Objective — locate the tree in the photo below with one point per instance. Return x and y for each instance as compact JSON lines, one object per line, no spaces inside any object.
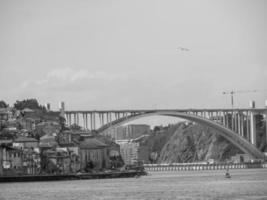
{"x":75,"y":127}
{"x":3,"y":104}
{"x":157,"y":128}
{"x":28,"y":103}
{"x":62,"y":123}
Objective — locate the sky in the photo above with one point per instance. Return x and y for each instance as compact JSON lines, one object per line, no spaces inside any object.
{"x":120,"y":54}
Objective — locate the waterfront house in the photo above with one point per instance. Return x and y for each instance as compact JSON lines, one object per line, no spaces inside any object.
{"x":56,"y":161}
{"x":10,"y":160}
{"x":48,"y":141}
{"x":73,"y":155}
{"x":31,"y":161}
{"x":6,"y":114}
{"x":93,"y":154}
{"x":47,"y":128}
{"x":27,"y":123}
{"x":64,"y":137}
{"x":25,"y":142}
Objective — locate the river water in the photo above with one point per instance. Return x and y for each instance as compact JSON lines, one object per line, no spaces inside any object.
{"x":244,"y":184}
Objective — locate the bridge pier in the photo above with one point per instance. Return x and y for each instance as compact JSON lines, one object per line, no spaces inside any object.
{"x":101,"y":119}
{"x":236,"y":122}
{"x":266,"y":127}
{"x":86,"y":121}
{"x":78,"y":120}
{"x":69,"y":119}
{"x":247,"y":126}
{"x":83,"y":121}
{"x":239,"y":123}
{"x":242,"y":125}
{"x":252,"y":129}
{"x":227,"y":120}
{"x":75,"y":119}
{"x":253,"y":124}
{"x":94,"y":122}
{"x":91,"y":120}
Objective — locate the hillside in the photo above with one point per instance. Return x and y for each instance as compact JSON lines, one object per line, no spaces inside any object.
{"x":189,"y":143}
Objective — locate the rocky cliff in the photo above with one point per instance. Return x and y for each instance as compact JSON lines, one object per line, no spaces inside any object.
{"x":189,"y":143}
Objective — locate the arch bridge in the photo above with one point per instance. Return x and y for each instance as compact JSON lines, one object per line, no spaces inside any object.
{"x":236,"y":125}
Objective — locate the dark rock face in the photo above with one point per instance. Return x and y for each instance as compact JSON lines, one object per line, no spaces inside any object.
{"x":190,"y":143}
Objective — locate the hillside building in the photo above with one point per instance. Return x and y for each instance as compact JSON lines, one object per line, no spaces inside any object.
{"x":133,"y":152}
{"x":11,"y":160}
{"x":128,"y":132}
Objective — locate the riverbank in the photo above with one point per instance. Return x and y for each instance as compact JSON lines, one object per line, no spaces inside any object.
{"x":197,"y":167}
{"x":80,"y":176}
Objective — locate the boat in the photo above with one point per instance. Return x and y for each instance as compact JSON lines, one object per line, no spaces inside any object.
{"x":227,"y":174}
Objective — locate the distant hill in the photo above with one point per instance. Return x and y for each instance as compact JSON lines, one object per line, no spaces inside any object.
{"x":189,"y":143}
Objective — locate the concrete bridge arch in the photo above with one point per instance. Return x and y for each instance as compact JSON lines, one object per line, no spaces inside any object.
{"x":228,"y":134}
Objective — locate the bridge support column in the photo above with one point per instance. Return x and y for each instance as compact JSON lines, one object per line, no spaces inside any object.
{"x":75,"y":119}
{"x":117,"y":116}
{"x":227,"y":120}
{"x":252,"y":124}
{"x":233,"y":121}
{"x":91,"y":121}
{"x":236,"y":124}
{"x":100,"y":119}
{"x":103,"y":118}
{"x":224,"y":118}
{"x":69,"y":119}
{"x":107,"y":117}
{"x":242,"y":124}
{"x":239,"y":123}
{"x":252,"y":129}
{"x":83,"y":121}
{"x":110,"y":117}
{"x":266,"y":126}
{"x":86,"y":121}
{"x":265,"y":114}
{"x":94,"y":122}
{"x":78,"y":120}
{"x":247,"y":124}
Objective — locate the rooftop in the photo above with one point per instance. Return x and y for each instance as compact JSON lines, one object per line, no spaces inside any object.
{"x":92,"y":143}
{"x":25,"y":139}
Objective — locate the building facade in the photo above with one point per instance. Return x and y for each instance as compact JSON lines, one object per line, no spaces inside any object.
{"x":93,"y":154}
{"x":132,"y":152}
{"x":11,"y":160}
{"x":128,"y":132}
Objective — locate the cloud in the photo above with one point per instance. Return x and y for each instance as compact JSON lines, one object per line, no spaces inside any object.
{"x":68,"y":74}
{"x":71,"y":79}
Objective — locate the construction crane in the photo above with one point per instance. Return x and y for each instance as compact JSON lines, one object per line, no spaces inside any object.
{"x":237,"y":91}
